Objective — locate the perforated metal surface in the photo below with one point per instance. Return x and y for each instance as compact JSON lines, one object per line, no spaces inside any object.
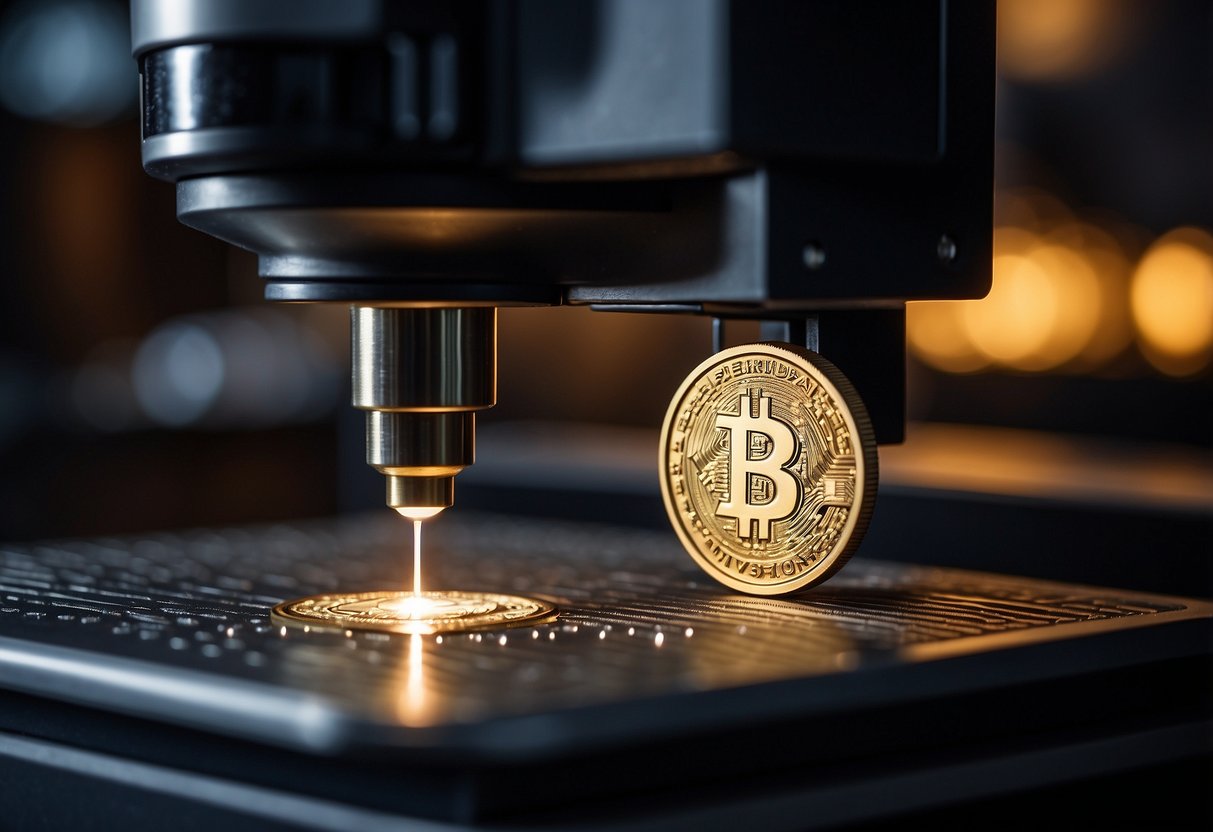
{"x":637,"y":619}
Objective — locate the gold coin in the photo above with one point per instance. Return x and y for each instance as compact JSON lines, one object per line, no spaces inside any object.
{"x":768,"y":467}
{"x":403,"y":612}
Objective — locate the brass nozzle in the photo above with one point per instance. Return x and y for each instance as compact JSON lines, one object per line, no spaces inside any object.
{"x":420,"y":492}
{"x":421,"y":373}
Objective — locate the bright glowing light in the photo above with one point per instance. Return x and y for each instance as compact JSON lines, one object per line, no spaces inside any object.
{"x":424,"y":612}
{"x":1079,"y":305}
{"x":1044,"y":305}
{"x":1172,"y":301}
{"x":942,"y":333}
{"x":1013,"y":322}
{"x":1059,"y":298}
{"x":417,"y":558}
{"x":936,"y":334}
{"x":1113,"y":331}
{"x":419,"y":512}
{"x":415,"y":607}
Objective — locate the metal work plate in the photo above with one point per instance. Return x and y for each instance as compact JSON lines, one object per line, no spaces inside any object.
{"x":176,"y":628}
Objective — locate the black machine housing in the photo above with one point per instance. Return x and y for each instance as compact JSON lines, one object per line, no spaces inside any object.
{"x":780,"y":160}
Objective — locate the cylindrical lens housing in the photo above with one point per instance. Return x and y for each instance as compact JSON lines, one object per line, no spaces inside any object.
{"x":421,"y":373}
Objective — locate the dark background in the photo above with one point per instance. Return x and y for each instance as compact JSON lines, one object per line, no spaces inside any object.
{"x":143,"y":384}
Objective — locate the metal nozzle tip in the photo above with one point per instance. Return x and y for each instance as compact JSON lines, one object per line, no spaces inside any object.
{"x":420,"y":494}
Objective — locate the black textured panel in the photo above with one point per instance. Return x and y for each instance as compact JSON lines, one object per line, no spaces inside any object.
{"x":637,"y":621}
{"x":628,"y":699}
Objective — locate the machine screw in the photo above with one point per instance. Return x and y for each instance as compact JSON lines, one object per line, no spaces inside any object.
{"x":945,"y":249}
{"x":814,"y":256}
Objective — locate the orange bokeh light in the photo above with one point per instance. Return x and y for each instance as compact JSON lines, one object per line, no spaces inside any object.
{"x":1067,"y":295}
{"x":1172,"y":301}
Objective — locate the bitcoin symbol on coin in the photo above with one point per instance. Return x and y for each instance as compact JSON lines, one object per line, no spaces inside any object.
{"x":759,"y":448}
{"x":768,"y":468}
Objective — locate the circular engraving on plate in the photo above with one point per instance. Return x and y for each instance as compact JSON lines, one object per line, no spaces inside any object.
{"x":403,"y":612}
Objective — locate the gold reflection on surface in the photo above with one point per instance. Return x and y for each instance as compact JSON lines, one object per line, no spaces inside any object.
{"x":1039,"y":465}
{"x":1172,"y":301}
{"x":442,"y":611}
{"x":413,"y":705}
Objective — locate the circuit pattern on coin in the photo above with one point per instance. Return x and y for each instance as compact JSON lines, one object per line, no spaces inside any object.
{"x":443,"y":611}
{"x":768,"y":467}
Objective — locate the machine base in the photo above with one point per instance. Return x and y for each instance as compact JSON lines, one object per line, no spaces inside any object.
{"x":143,"y":677}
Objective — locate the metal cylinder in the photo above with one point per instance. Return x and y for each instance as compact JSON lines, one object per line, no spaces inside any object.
{"x":421,"y":373}
{"x":420,"y":444}
{"x":421,"y":359}
{"x":420,"y":492}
